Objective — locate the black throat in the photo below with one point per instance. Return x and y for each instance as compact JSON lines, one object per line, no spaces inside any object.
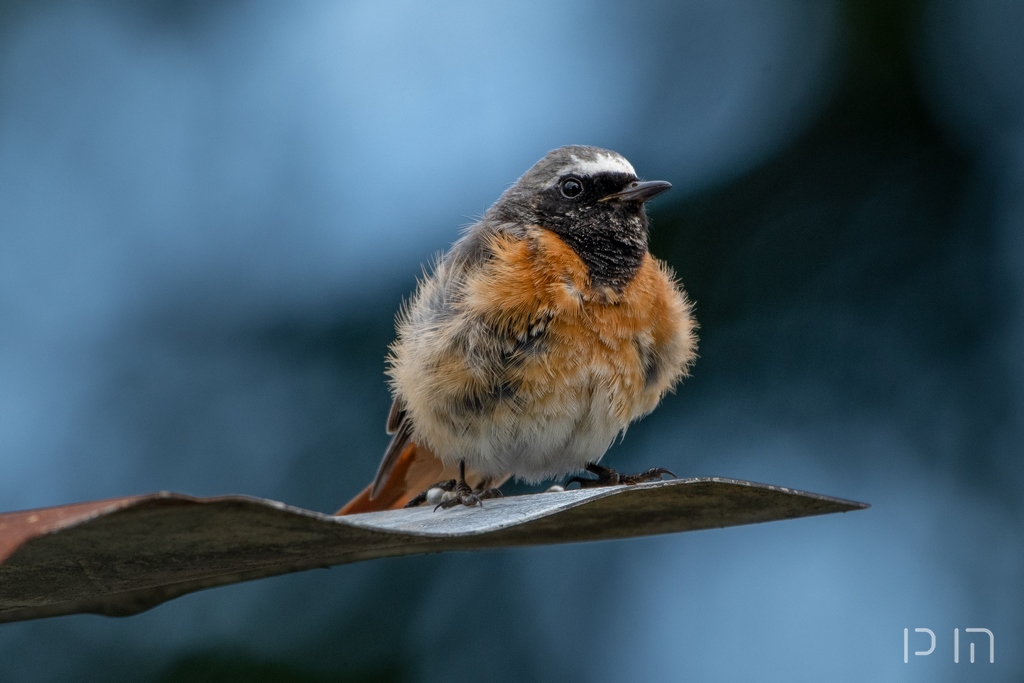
{"x":613,"y":250}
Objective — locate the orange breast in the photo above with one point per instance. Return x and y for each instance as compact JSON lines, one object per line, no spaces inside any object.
{"x":595,"y":339}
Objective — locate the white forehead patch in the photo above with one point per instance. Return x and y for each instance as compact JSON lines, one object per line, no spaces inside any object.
{"x":604,"y":163}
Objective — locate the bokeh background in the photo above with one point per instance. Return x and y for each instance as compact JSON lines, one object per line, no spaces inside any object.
{"x":210,"y":211}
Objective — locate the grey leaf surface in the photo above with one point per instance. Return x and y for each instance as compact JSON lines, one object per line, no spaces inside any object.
{"x":122,"y":556}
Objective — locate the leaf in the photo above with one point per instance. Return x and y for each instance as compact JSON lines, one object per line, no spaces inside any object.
{"x":122,"y":556}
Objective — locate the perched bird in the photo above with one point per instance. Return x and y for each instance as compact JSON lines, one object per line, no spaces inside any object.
{"x":542,"y":333}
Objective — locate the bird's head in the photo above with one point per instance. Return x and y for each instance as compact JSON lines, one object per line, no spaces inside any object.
{"x":593,"y":200}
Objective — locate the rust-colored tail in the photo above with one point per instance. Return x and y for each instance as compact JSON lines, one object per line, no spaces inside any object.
{"x":414,"y":471}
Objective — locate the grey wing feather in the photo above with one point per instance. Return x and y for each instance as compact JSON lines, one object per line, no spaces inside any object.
{"x":400,"y":426}
{"x":395,"y":415}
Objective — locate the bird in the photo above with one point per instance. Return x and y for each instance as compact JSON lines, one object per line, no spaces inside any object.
{"x":535,"y":341}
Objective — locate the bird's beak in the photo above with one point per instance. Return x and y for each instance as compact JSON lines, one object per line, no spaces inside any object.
{"x":638,"y":191}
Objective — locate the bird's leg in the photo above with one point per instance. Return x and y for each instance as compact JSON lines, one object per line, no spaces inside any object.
{"x":451,"y":492}
{"x":606,"y":476}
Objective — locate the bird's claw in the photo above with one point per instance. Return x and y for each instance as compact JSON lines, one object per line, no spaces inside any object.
{"x":421,"y":498}
{"x":606,"y":476}
{"x":467,"y":497}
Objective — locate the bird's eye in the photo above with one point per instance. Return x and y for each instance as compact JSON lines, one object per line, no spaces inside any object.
{"x":572,"y":187}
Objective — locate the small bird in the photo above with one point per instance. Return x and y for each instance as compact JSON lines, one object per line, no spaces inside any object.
{"x":534,"y":342}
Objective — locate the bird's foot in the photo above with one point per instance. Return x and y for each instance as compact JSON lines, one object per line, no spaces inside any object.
{"x":606,"y":476}
{"x":463,"y":495}
{"x":452,"y":492}
{"x":433,"y":494}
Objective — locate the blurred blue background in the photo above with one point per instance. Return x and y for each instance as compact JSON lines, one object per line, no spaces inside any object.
{"x":210,"y":211}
